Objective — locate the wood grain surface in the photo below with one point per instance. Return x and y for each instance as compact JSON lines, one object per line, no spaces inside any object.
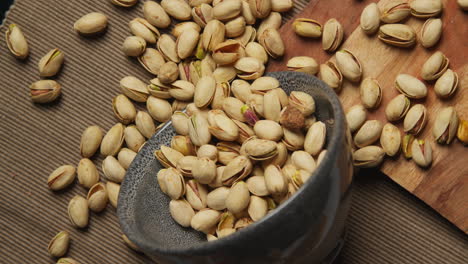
{"x":444,"y":186}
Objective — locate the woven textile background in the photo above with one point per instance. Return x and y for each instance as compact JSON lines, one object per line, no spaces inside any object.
{"x":386,"y":224}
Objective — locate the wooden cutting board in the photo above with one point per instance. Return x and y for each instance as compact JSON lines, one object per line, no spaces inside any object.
{"x":444,"y":186}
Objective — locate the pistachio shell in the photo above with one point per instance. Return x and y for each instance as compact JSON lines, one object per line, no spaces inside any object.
{"x":331,"y":75}
{"x":159,"y":109}
{"x":241,"y":90}
{"x":58,"y":245}
{"x":178,"y":9}
{"x":395,"y":11}
{"x":271,"y":40}
{"x":186,"y":43}
{"x":182,"y":90}
{"x":430,"y":32}
{"x":398,"y":35}
{"x":264,"y":84}
{"x":332,"y":36}
{"x":185,"y":165}
{"x":123,"y":108}
{"x":274,"y":180}
{"x":435,"y":66}
{"x":67,"y":261}
{"x":307,"y":28}
{"x":168,"y":73}
{"x":260,"y":149}
{"x":228,"y":52}
{"x":254,"y":49}
{"x":180,"y":123}
{"x":204,"y":170}
{"x":249,"y":68}
{"x":202,"y":14}
{"x":281,"y":5}
{"x":198,"y":130}
{"x":271,"y":106}
{"x":445,"y":126}
{"x":463,"y":4}
{"x":78,"y":211}
{"x":238,"y":198}
{"x":227,"y":151}
{"x":87,"y":172}
{"x":113,"y":140}
{"x":224,"y":74}
{"x":248,"y":36}
{"x":91,"y":24}
{"x":61,"y":178}
{"x":415,"y":119}
{"x":422,"y":153}
{"x":167,"y":46}
{"x":368,"y":157}
{"x":426,"y":8}
{"x":273,"y":20}
{"x":183,"y":144}
{"x":315,"y":138}
{"x":45,"y":91}
{"x":302,"y":101}
{"x":90,"y":141}
{"x":303,"y":161}
{"x":227,"y":10}
{"x":236,"y":170}
{"x":349,"y":65}
{"x":258,"y":208}
{"x":303,"y":64}
{"x":181,"y":27}
{"x":213,"y":34}
{"x":142,"y":28}
{"x":113,"y":170}
{"x":205,"y":220}
{"x":293,"y":139}
{"x":204,"y":91}
{"x":216,"y":199}
{"x":410,"y":86}
{"x":397,"y":108}
{"x":145,"y":124}
{"x":168,"y":157}
{"x":156,"y":15}
{"x":113,"y":190}
{"x":196,"y":194}
{"x":134,"y":88}
{"x":406,"y":145}
{"x":151,"y":60}
{"x":269,"y":130}
{"x":462,"y":132}
{"x":371,"y":93}
{"x":134,"y":46}
{"x":370,"y":19}
{"x":51,"y":63}
{"x":368,"y":133}
{"x":447,"y":84}
{"x":257,"y":186}
{"x":260,"y":8}
{"x":97,"y":197}
{"x":181,"y":212}
{"x":16,"y":41}
{"x":390,"y":140}
{"x":355,"y":117}
{"x":171,"y":183}
{"x":125,"y":157}
{"x":133,"y":138}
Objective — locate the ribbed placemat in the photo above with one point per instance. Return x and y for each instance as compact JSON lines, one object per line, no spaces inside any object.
{"x":386,"y":225}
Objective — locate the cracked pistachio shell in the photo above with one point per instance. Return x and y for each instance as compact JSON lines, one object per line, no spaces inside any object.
{"x":202,"y":14}
{"x":243,"y":222}
{"x":216,"y":199}
{"x":236,"y":170}
{"x":245,"y":131}
{"x":124,"y":109}
{"x":447,"y":84}
{"x":249,"y":68}
{"x":168,"y":157}
{"x":125,"y":157}
{"x":271,"y":106}
{"x":397,"y":108}
{"x":332,"y":35}
{"x":232,"y":106}
{"x":134,"y":46}
{"x":355,"y":117}
{"x":182,"y":90}
{"x":260,"y":8}
{"x":370,"y":19}
{"x":246,"y":12}
{"x":142,"y":28}
{"x":227,"y":10}
{"x":235,"y":27}
{"x":205,"y":220}
{"x":151,"y":60}
{"x":196,"y":194}
{"x":273,"y":20}
{"x":271,"y":40}
{"x":91,"y":24}
{"x":223,"y":90}
{"x":124,"y":3}
{"x":145,"y":124}
{"x":368,"y":157}
{"x":435,"y":66}
{"x":184,"y":145}
{"x":181,"y":211}
{"x":302,"y":101}
{"x":349,"y":65}
{"x":228,"y":52}
{"x":462,"y":132}
{"x":258,"y":208}
{"x":213,"y":34}
{"x":167,"y":47}
{"x":249,"y":35}
{"x":406,"y":145}
{"x":168,"y":73}
{"x":395,"y":11}
{"x":368,"y":133}
{"x":238,"y":198}
{"x":134,"y":88}
{"x":371,"y":93}
{"x":97,"y":197}
{"x":113,"y":140}
{"x":264,"y":84}
{"x":204,"y":170}
{"x":171,"y":183}
{"x":399,"y":35}
{"x":241,"y":90}
{"x":78,"y":212}
{"x":292,"y":118}
{"x":331,"y":75}
{"x":58,"y":245}
{"x":254,"y":49}
{"x":256,"y":104}
{"x":293,"y":139}
{"x":178,"y":9}
{"x":221,"y":126}
{"x":421,"y":152}
{"x":225,"y":74}
{"x":181,"y":27}
{"x":415,"y":119}
{"x":463,"y":4}
{"x":156,"y":15}
{"x":426,"y":8}
{"x":16,"y":42}
{"x":430,"y":32}
{"x":50,"y":64}
{"x":185,"y":165}
{"x":303,"y":64}
{"x":180,"y":123}
{"x":268,"y":129}
{"x":158,"y":89}
{"x":281,"y":5}
{"x":159,"y":109}
{"x":45,"y":91}
{"x":390,"y":140}
{"x":307,"y":28}
{"x":87,"y":172}
{"x":303,"y":161}
{"x":257,"y":186}
{"x":133,"y":138}
{"x":208,"y":151}
{"x":113,"y":170}
{"x":204,"y":91}
{"x":260,"y":149}
{"x":410,"y":86}
{"x":187,"y":42}
{"x":67,"y":261}
{"x":445,"y":126}
{"x":90,"y":141}
{"x":227,"y":151}
{"x":198,"y":130}
{"x":275,"y":181}
{"x":113,"y":190}
{"x":315,"y":138}
{"x":61,"y":177}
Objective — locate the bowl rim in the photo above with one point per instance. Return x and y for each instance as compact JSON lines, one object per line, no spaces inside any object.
{"x":128,"y":227}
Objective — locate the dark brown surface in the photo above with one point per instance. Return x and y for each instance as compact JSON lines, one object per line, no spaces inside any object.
{"x":386,"y":225}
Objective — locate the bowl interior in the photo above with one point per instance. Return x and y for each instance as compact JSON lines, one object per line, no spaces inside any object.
{"x":144,"y":210}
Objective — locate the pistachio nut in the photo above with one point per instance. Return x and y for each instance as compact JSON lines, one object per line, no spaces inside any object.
{"x":332,"y":36}
{"x":130,"y":244}
{"x":271,"y":40}
{"x":196,"y":194}
{"x":291,"y":118}
{"x":390,"y":140}
{"x":238,"y":198}
{"x":205,"y":220}
{"x":178,"y":105}
{"x":355,"y":117}
{"x":315,"y":138}
{"x":204,"y":170}
{"x":208,"y":151}
{"x":235,"y":27}
{"x":410,"y":86}
{"x":228,"y":52}
{"x":224,"y":74}
{"x":178,"y":9}
{"x":395,"y":11}
{"x":293,"y":139}
{"x":273,"y":20}
{"x":421,"y":152}
{"x":249,"y":68}
{"x":463,"y":4}
{"x":307,"y":28}
{"x":260,"y":149}
{"x":113,"y":170}
{"x":159,"y":109}
{"x":371,"y":93}
{"x":192,"y":109}
{"x":134,"y":88}
{"x":222,"y":91}
{"x":435,"y":66}
{"x":260,"y":8}
{"x":58,"y":246}
{"x":184,"y":145}
{"x":415,"y":119}
{"x":78,"y":212}
{"x":241,"y":90}
{"x":274,"y":180}
{"x":397,"y":108}
{"x":368,"y":133}
{"x":222,"y":127}
{"x":204,"y":91}
{"x":368,"y":157}
{"x":125,"y":157}
{"x":202,"y":14}
{"x":268,"y":130}
{"x":236,"y":170}
{"x":227,"y":151}
{"x":257,"y":185}
{"x":322,"y":155}
{"x":447,"y":84}
{"x":167,"y":47}
{"x":370,"y":19}
{"x":303,"y":161}
{"x":308,"y":122}
{"x":258,"y":208}
{"x":303,"y":64}
{"x":245,"y":131}
{"x":198,"y":130}
{"x":218,"y":182}
{"x":430,"y":32}
{"x":181,"y":27}
{"x":185,"y":165}
{"x":124,"y":3}
{"x":249,"y":35}
{"x":264,"y":84}
{"x":293,"y":175}
{"x":331,"y":75}
{"x":258,"y":170}
{"x":186,"y":43}
{"x":426,"y":8}
{"x":97,"y":197}
{"x":246,"y":12}
{"x":227,"y":10}
{"x":168,"y":157}
{"x":45,"y":91}
{"x":67,"y":261}
{"x":271,"y":106}
{"x":181,"y":211}
{"x":216,"y":199}
{"x":226,"y":224}
{"x":349,"y":65}
{"x":302,"y":101}
{"x":61,"y":177}
{"x":210,"y":237}
{"x":213,"y":34}
{"x":281,"y":5}
{"x":232,"y":106}
{"x":50,"y":64}
{"x":16,"y":41}
{"x":168,"y":73}
{"x":254,"y":49}
{"x":134,"y":46}
{"x":462,"y":132}
{"x":124,"y":110}
{"x":182,"y":90}
{"x":445,"y":125}
{"x":243,"y":223}
{"x":171,"y":183}
{"x":90,"y":141}
{"x":399,"y":35}
{"x":151,"y":60}
{"x":284,"y":99}
{"x":180,"y":123}
{"x":91,"y":24}
{"x":145,"y":124}
{"x":406,"y":145}
{"x":156,"y":15}
{"x":87,"y":172}
{"x":113,"y":190}
{"x":133,"y":138}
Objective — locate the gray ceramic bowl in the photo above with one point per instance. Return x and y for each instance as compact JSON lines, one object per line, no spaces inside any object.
{"x":308,"y":228}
